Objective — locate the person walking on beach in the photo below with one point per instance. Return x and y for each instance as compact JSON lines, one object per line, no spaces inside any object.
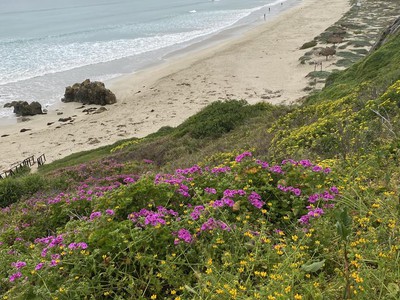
{"x":265,"y":17}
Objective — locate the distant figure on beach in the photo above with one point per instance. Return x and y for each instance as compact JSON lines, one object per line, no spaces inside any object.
{"x":264,"y":17}
{"x":269,"y":9}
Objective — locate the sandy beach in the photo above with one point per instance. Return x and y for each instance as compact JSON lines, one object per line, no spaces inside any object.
{"x":259,"y":65}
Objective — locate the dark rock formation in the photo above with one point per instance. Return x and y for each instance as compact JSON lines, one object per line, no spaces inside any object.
{"x":89,"y":93}
{"x":10,"y":104}
{"x":24,"y":129}
{"x":89,"y":110}
{"x":100,"y":110}
{"x":65,"y":119}
{"x":23,"y":108}
{"x":392,"y":29}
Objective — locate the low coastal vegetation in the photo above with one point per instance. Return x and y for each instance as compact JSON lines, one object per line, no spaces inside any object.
{"x":238,"y":202}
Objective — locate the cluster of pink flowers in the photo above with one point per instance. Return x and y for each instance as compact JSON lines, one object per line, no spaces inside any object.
{"x":175,"y":180}
{"x":183,"y":235}
{"x":227,"y":198}
{"x":18,"y":265}
{"x":255,"y":200}
{"x":210,"y":190}
{"x":211,"y":224}
{"x":93,"y":187}
{"x":240,"y":157}
{"x":153,"y":218}
{"x":312,"y":213}
{"x":192,"y":170}
{"x":197,"y":211}
{"x":95,"y":215}
{"x":295,"y":191}
{"x":217,"y":170}
{"x":263,"y":164}
{"x":307,"y":164}
{"x":80,"y":245}
{"x":15,"y":276}
{"x":48,"y":242}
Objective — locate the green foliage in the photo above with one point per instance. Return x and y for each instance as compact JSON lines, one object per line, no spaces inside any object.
{"x":308,"y":45}
{"x":12,"y":189}
{"x":342,"y":126}
{"x":219,"y":118}
{"x":343,"y":224}
{"x":313,"y":267}
{"x":79,"y":158}
{"x":318,"y":74}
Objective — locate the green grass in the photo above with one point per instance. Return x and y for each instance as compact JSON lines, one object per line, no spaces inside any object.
{"x":318,"y":74}
{"x":79,"y":158}
{"x":308,"y":45}
{"x":344,"y":63}
{"x":349,"y":55}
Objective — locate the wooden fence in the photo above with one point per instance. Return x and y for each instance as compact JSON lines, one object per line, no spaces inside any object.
{"x":41,"y":160}
{"x":27,"y":162}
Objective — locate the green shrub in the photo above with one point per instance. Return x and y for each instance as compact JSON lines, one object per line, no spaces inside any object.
{"x":308,"y":45}
{"x":11,"y":191}
{"x":218,"y":118}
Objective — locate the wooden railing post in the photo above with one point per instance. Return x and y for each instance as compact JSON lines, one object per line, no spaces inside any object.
{"x":27,"y":162}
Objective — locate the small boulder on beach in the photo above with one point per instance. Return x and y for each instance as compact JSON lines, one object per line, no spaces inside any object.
{"x":100,"y":110}
{"x":89,"y":93}
{"x":23,"y":108}
{"x":65,"y":119}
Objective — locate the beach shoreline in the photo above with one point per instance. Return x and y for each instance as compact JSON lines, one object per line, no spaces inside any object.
{"x":258,"y":65}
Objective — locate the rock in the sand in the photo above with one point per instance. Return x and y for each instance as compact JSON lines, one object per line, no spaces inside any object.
{"x":5,"y":135}
{"x":89,"y":110}
{"x":23,"y":108}
{"x":100,"y":110}
{"x":10,"y":104}
{"x":89,"y":93}
{"x":93,"y":141}
{"x":65,"y":119}
{"x":24,"y":129}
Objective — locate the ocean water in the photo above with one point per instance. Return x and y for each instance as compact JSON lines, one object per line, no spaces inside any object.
{"x":46,"y":45}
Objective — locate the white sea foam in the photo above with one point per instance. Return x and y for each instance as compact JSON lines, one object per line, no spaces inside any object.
{"x":32,"y":58}
{"x":6,"y":112}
